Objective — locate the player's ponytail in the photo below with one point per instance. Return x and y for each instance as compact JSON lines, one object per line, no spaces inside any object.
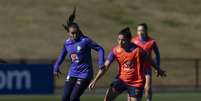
{"x":70,"y":21}
{"x":126,"y":33}
{"x":71,"y":17}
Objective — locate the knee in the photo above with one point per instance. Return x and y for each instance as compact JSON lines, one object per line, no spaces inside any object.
{"x":147,"y":88}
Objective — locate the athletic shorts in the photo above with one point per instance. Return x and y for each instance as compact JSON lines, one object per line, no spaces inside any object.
{"x":120,"y":86}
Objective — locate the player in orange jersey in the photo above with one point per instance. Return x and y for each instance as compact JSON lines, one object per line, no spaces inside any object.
{"x":131,"y":76}
{"x":148,"y":44}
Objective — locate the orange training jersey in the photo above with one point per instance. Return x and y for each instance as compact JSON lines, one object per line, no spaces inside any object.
{"x":131,"y":69}
{"x":146,"y":46}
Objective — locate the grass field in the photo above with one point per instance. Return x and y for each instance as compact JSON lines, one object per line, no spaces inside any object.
{"x":156,"y":97}
{"x":31,"y":29}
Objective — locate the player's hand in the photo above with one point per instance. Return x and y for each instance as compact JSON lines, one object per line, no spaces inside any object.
{"x":92,"y":85}
{"x":57,"y":74}
{"x":161,"y":73}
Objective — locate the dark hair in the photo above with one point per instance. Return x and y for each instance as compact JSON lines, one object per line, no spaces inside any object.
{"x":74,"y":25}
{"x":126,"y":33}
{"x":144,"y":25}
{"x":70,"y":21}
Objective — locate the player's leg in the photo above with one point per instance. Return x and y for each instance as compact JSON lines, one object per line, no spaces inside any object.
{"x":135,"y":99}
{"x":128,"y":98}
{"x":111,"y":94}
{"x":135,"y":94}
{"x":116,"y":88}
{"x":69,"y":84}
{"x":79,"y":88}
{"x":148,"y":85}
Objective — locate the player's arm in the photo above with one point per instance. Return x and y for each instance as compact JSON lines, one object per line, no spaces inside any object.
{"x":159,"y":71}
{"x":102,"y":71}
{"x":157,"y":54}
{"x":100,"y":50}
{"x":59,"y":61}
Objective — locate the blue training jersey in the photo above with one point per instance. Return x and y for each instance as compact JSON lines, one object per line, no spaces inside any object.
{"x":79,"y":52}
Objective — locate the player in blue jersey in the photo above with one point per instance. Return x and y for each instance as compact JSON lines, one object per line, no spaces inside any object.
{"x":78,"y":49}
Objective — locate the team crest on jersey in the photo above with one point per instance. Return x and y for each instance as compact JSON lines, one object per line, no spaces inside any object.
{"x":79,"y":48}
{"x":74,"y":57}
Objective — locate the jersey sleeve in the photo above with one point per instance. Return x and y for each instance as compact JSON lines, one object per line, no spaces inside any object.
{"x":60,"y":59}
{"x":100,"y":50}
{"x":111,"y":57}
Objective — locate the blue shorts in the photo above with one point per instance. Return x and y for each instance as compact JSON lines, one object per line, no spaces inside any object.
{"x":120,"y":86}
{"x":73,"y":88}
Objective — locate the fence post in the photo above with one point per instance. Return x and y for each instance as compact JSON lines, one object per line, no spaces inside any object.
{"x":196,"y":73}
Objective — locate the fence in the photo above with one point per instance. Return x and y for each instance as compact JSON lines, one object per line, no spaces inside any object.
{"x":183,"y":74}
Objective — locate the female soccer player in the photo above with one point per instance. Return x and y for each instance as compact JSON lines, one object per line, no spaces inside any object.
{"x":78,"y":49}
{"x":131,"y":78}
{"x":148,"y":44}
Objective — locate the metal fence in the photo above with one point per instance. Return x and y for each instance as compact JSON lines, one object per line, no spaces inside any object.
{"x":183,"y":74}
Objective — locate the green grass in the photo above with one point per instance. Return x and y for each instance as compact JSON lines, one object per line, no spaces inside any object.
{"x":156,"y":97}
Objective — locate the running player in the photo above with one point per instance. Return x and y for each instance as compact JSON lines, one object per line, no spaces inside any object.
{"x":148,"y":44}
{"x":131,"y":78}
{"x":78,"y":49}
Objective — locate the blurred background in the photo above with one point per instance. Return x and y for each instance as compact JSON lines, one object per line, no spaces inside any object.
{"x":31,"y":32}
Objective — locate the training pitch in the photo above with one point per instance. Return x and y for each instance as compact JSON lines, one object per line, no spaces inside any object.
{"x":156,"y":97}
